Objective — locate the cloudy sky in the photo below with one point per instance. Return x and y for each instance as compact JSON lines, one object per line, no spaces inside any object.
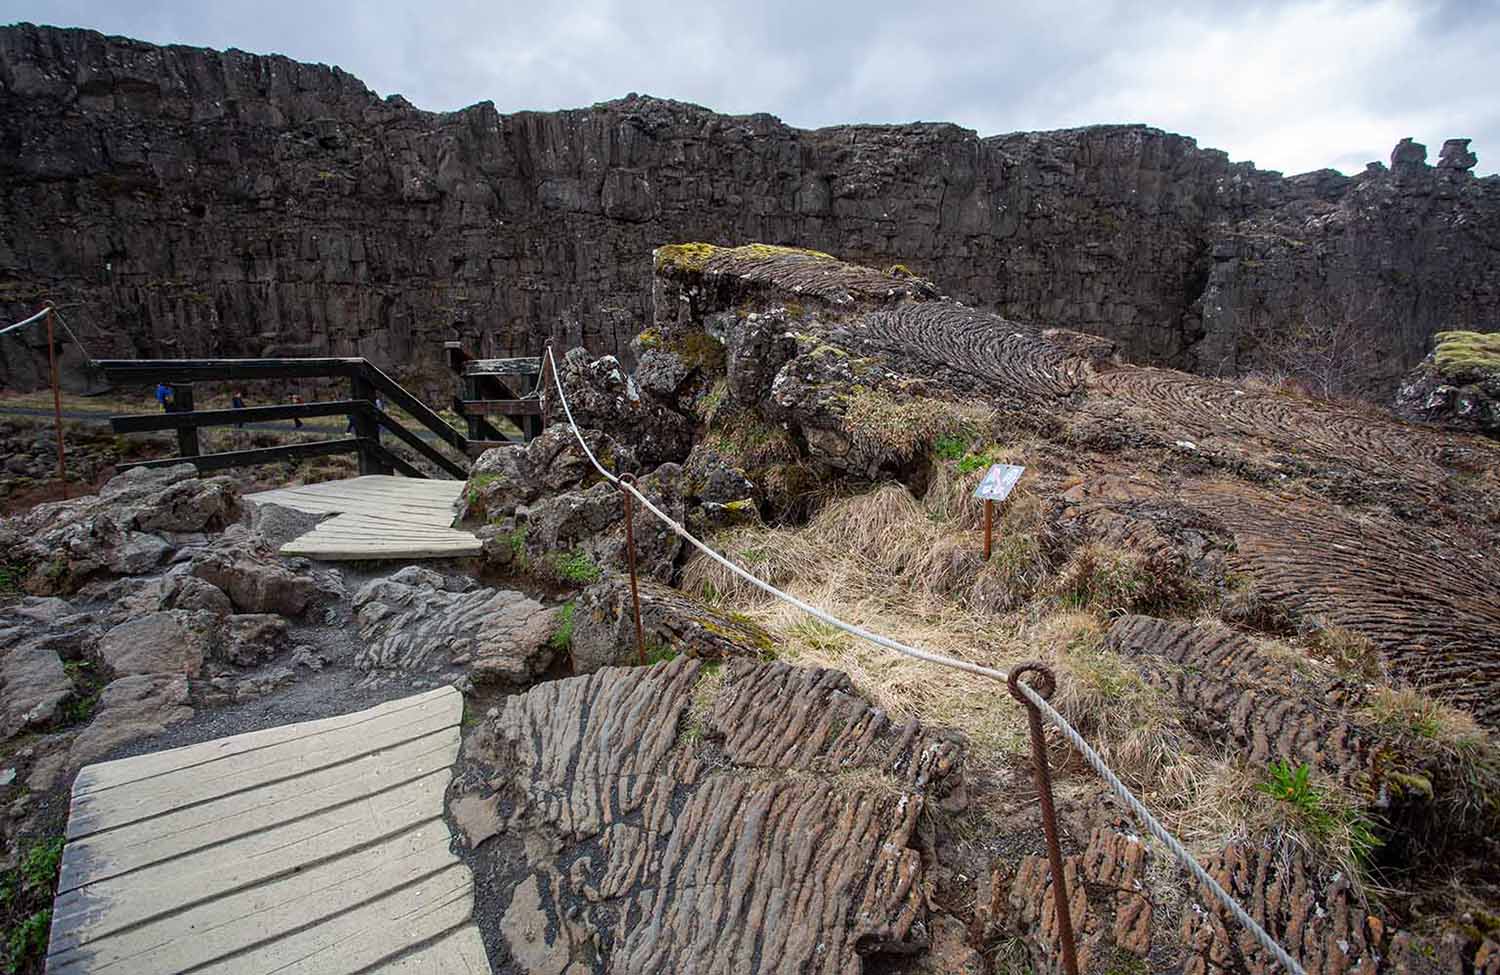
{"x":1292,"y":86}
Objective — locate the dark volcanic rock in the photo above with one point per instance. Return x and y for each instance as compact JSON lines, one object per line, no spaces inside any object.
{"x":672,"y":823}
{"x":293,"y":211}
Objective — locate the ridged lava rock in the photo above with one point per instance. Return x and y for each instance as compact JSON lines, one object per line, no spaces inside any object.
{"x":671,"y":824}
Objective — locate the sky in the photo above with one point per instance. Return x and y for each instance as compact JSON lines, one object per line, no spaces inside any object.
{"x":1291,"y":86}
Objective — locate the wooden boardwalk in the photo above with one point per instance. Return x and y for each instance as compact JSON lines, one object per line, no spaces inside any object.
{"x":377,"y":517}
{"x":311,"y":848}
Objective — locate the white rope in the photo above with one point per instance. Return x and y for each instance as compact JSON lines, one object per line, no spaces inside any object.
{"x":34,"y":318}
{"x":1155,"y":828}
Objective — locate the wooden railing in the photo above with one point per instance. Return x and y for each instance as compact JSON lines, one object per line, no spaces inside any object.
{"x":366,"y":382}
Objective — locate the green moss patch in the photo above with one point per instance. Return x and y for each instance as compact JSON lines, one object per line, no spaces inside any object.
{"x":1464,"y":352}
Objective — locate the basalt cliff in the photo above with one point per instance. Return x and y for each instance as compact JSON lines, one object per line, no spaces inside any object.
{"x":197,"y":202}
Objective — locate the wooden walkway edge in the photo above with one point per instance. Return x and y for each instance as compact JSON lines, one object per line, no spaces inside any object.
{"x":376,"y":517}
{"x":317,"y":847}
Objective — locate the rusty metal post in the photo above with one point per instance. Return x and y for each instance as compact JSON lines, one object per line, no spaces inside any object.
{"x":1044,"y":687}
{"x":62,"y":466}
{"x":635,"y":590}
{"x":989,"y":525}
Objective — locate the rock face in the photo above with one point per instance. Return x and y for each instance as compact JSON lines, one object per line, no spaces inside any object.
{"x":292,"y":211}
{"x":671,"y":823}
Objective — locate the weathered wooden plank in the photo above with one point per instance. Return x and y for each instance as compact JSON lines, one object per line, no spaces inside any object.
{"x":461,"y":952}
{"x":148,"y":422}
{"x":183,"y":829}
{"x":226,"y":925}
{"x":93,"y":812}
{"x":317,"y":847}
{"x":361,"y":939}
{"x":500,"y":407}
{"x":446,"y":701}
{"x":165,"y":888}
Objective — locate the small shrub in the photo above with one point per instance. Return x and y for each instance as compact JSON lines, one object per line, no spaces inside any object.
{"x":1326,"y":821}
{"x":657,"y":653}
{"x":562,"y":638}
{"x":28,"y":940}
{"x":950,"y":447}
{"x":575,"y":567}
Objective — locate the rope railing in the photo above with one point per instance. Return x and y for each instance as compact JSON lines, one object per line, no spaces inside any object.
{"x":1036,"y":700}
{"x":22,"y":324}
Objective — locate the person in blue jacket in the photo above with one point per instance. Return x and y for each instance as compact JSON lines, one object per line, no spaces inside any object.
{"x":164,"y":397}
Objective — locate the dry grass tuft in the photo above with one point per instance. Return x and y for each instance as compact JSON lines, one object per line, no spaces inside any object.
{"x":1111,"y":579}
{"x":902,"y":427}
{"x":1350,"y":654}
{"x":1285,"y":809}
{"x":1131,"y":723}
{"x":1417,"y":723}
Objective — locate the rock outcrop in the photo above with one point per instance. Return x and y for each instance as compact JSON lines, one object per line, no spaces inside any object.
{"x":761,"y":819}
{"x":1457,"y":386}
{"x":419,"y":621}
{"x":293,"y":211}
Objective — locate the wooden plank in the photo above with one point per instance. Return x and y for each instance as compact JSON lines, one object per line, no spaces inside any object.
{"x":502,"y":407}
{"x":231,"y":924}
{"x":166,"y":888}
{"x":183,"y":829}
{"x":515,"y":366}
{"x":103,"y":775}
{"x":461,"y":952}
{"x":127,"y":371}
{"x":314,"y":848}
{"x":93,"y":812}
{"x":358,"y":940}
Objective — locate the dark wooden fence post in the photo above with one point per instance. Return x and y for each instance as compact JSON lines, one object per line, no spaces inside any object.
{"x":182,"y":402}
{"x":365,"y":427}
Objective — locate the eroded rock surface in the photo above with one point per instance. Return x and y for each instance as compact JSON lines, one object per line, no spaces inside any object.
{"x":604,"y":626}
{"x":673,"y":824}
{"x":418,"y":620}
{"x":128,"y":528}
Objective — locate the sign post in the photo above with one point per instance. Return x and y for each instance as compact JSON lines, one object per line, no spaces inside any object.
{"x":997,"y":484}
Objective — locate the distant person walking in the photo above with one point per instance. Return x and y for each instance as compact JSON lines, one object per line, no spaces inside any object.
{"x":237,"y":402}
{"x":164,"y":397}
{"x":297,"y":420}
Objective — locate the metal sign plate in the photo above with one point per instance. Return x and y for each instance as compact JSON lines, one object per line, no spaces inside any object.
{"x":998,"y":482}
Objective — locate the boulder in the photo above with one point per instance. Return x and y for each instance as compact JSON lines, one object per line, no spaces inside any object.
{"x":130,"y":708}
{"x":173,"y":642}
{"x":419,"y":621}
{"x":32,"y":685}
{"x":604,"y":626}
{"x":248,"y":639}
{"x":256,"y":579}
{"x":120,"y":531}
{"x":1454,"y":393}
